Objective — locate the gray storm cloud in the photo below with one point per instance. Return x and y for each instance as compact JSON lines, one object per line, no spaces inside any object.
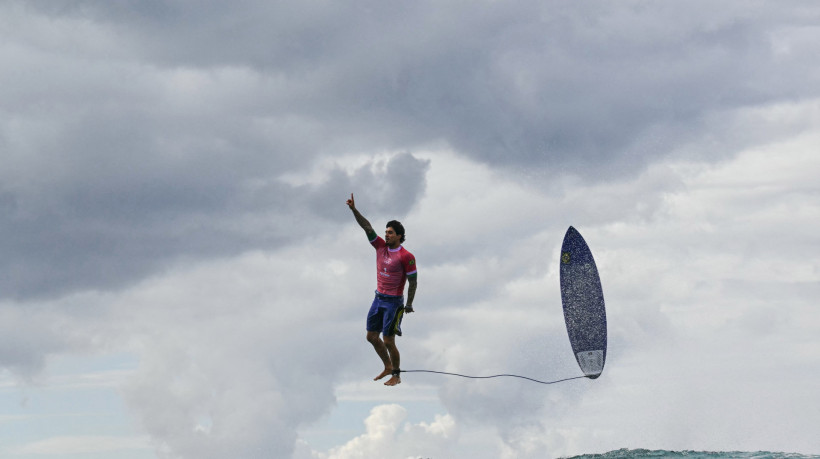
{"x":152,"y":148}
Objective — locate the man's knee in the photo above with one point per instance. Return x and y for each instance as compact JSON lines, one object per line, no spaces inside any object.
{"x":390,"y":340}
{"x":373,"y":337}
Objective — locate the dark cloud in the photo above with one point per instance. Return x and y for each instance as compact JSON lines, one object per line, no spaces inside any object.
{"x":116,"y":168}
{"x":390,"y":187}
{"x":585,"y":87}
{"x":108,"y":233}
{"x":139,"y":132}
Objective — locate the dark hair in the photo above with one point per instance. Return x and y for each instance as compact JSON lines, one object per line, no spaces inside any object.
{"x":397,"y":227}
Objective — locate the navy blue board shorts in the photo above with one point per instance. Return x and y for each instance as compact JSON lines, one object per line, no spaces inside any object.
{"x":385,"y":314}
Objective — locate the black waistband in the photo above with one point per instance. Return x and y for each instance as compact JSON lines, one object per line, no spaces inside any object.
{"x":388,"y":297}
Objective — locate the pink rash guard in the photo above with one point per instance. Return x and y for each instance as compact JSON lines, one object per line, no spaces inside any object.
{"x":392,"y":267}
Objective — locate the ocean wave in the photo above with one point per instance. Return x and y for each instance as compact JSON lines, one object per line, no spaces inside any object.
{"x":640,"y":453}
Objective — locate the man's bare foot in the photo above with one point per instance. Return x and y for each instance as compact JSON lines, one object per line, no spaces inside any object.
{"x":384,"y":373}
{"x":394,"y":381}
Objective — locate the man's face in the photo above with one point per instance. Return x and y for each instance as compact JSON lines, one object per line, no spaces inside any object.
{"x":390,"y":237}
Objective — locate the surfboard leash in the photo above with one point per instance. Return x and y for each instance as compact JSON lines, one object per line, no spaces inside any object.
{"x":493,"y":376}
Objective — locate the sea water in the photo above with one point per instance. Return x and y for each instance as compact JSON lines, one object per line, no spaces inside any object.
{"x":641,"y":453}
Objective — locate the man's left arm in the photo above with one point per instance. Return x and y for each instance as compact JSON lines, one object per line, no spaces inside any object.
{"x":411,"y":292}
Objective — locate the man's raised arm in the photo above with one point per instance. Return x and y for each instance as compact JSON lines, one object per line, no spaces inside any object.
{"x":368,"y":229}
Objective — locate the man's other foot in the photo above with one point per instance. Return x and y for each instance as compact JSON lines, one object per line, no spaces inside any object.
{"x":384,"y":373}
{"x":393,"y":381}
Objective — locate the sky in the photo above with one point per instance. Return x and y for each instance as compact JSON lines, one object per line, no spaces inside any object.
{"x":180,"y":276}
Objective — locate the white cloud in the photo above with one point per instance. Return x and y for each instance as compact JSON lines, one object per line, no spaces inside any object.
{"x":387,"y":435}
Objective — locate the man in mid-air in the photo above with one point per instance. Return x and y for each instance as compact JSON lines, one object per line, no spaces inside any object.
{"x":394,"y":266}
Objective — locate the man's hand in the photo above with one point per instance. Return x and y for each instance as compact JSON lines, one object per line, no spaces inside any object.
{"x":408,"y":309}
{"x":366,"y":226}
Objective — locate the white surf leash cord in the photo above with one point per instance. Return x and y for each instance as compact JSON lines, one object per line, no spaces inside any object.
{"x":493,"y":376}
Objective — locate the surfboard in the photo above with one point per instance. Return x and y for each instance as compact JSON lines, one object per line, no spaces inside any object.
{"x":583,"y":300}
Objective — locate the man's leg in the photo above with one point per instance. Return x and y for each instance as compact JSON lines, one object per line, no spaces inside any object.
{"x":382,"y":351}
{"x":395,"y":359}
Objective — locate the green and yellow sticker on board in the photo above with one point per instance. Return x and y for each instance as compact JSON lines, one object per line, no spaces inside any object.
{"x":565,"y":258}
